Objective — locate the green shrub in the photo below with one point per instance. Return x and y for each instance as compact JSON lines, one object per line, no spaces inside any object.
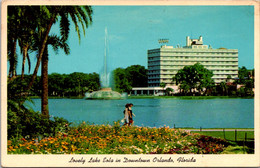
{"x":24,"y":122}
{"x":33,"y":124}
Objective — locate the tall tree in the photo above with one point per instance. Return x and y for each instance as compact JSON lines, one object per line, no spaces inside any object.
{"x":132,"y":76}
{"x":56,"y":43}
{"x":13,"y":23}
{"x":79,"y":15}
{"x":27,"y":31}
{"x":121,"y":81}
{"x":194,"y":77}
{"x":137,"y":75}
{"x":243,"y":75}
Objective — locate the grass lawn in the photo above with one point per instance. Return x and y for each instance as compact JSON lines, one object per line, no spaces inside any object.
{"x":229,"y":135}
{"x":240,"y":146}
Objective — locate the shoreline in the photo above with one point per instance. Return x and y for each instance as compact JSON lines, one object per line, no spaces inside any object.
{"x":181,"y":128}
{"x":155,"y":97}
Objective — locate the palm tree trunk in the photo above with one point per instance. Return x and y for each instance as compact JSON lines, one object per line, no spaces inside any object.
{"x":25,"y":49}
{"x":44,"y":107}
{"x":41,"y":52}
{"x":13,"y":62}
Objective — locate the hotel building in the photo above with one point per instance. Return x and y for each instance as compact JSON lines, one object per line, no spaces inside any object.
{"x":164,"y":62}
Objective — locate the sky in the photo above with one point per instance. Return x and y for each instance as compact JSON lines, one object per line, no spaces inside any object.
{"x":132,"y":30}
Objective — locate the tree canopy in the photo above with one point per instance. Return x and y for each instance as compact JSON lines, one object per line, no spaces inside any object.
{"x":243,"y":75}
{"x":194,"y":77}
{"x":30,"y":26}
{"x":132,"y":76}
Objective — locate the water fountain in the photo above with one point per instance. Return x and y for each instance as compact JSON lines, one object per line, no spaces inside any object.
{"x":106,"y":91}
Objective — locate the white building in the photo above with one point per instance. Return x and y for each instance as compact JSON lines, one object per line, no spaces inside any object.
{"x":164,"y":63}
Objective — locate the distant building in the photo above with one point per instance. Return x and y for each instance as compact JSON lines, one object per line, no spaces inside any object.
{"x":164,"y":62}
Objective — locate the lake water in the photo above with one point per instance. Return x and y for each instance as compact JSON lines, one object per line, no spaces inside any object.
{"x":205,"y":113}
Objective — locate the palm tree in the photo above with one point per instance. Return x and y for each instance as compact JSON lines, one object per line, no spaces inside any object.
{"x":78,"y":14}
{"x":43,"y":19}
{"x":21,"y":27}
{"x":28,"y":26}
{"x":12,"y":34}
{"x":56,"y":43}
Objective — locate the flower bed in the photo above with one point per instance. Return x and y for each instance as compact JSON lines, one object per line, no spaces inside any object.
{"x":116,"y":139}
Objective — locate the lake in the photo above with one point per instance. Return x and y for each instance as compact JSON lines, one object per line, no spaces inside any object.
{"x":205,"y":113}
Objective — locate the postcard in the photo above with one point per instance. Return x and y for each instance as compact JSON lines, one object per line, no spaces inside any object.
{"x":130,"y":83}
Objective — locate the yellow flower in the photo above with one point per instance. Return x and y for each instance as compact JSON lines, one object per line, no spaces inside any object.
{"x":65,"y":147}
{"x":9,"y":142}
{"x":73,"y":148}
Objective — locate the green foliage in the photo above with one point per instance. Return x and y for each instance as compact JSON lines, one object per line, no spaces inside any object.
{"x":137,"y":76}
{"x":132,"y":76}
{"x":246,"y":79}
{"x":61,"y":85}
{"x":76,"y":84}
{"x":228,"y":78}
{"x":116,"y":139}
{"x":23,"y":121}
{"x":194,"y":77}
{"x":162,"y":85}
{"x":236,"y":150}
{"x":121,"y":82}
{"x":168,"y":91}
{"x":27,"y":123}
{"x":243,"y":75}
{"x":223,"y":87}
{"x":32,"y":33}
{"x":229,"y":135}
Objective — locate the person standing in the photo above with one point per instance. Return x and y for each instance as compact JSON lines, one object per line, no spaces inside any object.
{"x":126,"y":114}
{"x":131,"y":114}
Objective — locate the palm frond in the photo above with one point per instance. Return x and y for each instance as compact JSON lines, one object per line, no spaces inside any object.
{"x":64,"y":26}
{"x":57,"y":43}
{"x":75,"y":20}
{"x":89,"y":12}
{"x":80,"y":20}
{"x":45,"y":10}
